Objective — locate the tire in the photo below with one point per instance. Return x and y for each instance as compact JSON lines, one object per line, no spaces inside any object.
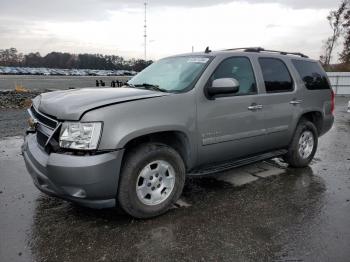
{"x":305,"y":131}
{"x":152,"y":179}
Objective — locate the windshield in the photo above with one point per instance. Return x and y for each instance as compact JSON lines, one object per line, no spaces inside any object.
{"x":173,"y":74}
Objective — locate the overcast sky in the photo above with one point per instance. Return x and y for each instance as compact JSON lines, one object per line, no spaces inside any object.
{"x":116,"y":26}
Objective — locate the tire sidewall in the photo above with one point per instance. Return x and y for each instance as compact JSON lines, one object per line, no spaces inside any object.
{"x":130,"y":173}
{"x":302,"y":127}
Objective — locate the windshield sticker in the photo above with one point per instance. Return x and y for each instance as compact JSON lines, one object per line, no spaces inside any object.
{"x":201,"y":60}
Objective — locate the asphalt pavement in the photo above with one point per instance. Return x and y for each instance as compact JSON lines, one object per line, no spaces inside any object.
{"x":261,"y":212}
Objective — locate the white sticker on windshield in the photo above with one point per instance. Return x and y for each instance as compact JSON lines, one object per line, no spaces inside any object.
{"x":201,"y":60}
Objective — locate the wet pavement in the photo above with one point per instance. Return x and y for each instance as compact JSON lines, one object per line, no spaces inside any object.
{"x":261,"y":212}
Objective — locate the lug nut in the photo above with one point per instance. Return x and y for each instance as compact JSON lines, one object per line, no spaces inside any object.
{"x":153,"y":188}
{"x":160,"y":179}
{"x":149,"y":184}
{"x":151,"y":177}
{"x":158,"y":186}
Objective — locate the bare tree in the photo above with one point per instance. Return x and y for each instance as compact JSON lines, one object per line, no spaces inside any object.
{"x":335,"y":19}
{"x":345,"y":54}
{"x":10,"y":57}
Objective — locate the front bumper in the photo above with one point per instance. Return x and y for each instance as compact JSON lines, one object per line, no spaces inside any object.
{"x":90,"y":181}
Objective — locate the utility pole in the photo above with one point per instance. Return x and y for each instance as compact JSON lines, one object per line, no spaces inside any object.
{"x":145,"y":30}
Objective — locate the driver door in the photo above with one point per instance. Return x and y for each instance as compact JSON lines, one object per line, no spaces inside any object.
{"x":231,"y":126}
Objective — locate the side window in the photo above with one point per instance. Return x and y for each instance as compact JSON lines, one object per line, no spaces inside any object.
{"x":276,"y":75}
{"x":241,"y":69}
{"x":311,"y":73}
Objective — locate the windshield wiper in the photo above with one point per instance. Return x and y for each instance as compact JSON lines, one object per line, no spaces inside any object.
{"x":151,"y":87}
{"x":127,"y":84}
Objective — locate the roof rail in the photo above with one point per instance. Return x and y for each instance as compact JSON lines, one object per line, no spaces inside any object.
{"x":260,"y":49}
{"x":245,"y":49}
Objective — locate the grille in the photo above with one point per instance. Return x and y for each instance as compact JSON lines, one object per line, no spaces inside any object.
{"x":44,"y":119}
{"x":41,"y":138}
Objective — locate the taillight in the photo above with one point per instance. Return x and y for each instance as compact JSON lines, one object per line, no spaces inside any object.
{"x":332,"y":102}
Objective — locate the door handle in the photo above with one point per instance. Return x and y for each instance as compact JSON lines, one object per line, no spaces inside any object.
{"x":255,"y":107}
{"x":295,"y":102}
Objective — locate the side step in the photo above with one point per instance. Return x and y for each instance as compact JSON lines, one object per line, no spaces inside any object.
{"x":236,"y":163}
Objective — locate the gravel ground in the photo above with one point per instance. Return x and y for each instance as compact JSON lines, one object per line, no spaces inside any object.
{"x":13,"y":112}
{"x":13,"y":99}
{"x":12,"y":122}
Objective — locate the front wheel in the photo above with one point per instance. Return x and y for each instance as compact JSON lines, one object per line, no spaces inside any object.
{"x":152,"y":180}
{"x":303,"y":147}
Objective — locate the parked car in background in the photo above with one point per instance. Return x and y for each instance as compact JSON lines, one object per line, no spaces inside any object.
{"x":63,"y":72}
{"x":198,"y":113}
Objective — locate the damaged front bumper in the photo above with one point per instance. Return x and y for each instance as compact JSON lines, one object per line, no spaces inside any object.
{"x":90,"y":180}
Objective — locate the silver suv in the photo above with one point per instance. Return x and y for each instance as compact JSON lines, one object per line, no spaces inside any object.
{"x":198,"y":113}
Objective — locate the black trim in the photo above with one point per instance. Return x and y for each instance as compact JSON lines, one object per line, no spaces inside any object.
{"x":222,"y":166}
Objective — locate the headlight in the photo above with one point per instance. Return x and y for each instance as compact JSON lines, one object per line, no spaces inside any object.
{"x":83,"y":136}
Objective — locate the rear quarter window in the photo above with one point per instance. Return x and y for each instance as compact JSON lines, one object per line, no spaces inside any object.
{"x":311,"y":73}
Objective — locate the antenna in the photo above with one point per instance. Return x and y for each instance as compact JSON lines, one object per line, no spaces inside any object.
{"x":145,"y":30}
{"x":207,"y":50}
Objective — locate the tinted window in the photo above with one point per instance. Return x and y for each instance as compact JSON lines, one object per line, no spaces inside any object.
{"x":241,"y":69}
{"x":312,"y":74}
{"x":276,"y":75}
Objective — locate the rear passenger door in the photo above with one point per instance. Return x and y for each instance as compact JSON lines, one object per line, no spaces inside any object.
{"x":280,"y":101}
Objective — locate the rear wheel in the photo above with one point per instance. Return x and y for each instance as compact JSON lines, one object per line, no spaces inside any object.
{"x":152,"y":179}
{"x":303,"y":146}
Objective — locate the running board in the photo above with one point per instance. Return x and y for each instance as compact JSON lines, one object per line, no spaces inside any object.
{"x":237,"y":163}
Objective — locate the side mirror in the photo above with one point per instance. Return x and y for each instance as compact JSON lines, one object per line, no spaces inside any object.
{"x":223,"y":86}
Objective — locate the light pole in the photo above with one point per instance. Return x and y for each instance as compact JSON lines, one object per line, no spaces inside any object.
{"x":145,"y":31}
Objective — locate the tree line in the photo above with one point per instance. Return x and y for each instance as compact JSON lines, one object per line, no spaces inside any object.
{"x":339,"y":21}
{"x":11,"y":57}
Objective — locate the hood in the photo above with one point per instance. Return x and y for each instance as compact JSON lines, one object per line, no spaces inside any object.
{"x":72,"y":104}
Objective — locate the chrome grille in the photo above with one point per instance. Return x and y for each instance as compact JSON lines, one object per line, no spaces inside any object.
{"x":43,"y":118}
{"x":45,"y":126}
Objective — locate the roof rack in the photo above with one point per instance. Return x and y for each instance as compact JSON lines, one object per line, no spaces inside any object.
{"x":260,"y":49}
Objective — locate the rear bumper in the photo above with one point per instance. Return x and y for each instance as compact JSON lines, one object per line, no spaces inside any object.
{"x":90,"y":181}
{"x":327,"y":124}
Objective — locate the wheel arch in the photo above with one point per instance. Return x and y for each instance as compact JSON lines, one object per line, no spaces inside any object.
{"x":176,"y":139}
{"x":315,"y":117}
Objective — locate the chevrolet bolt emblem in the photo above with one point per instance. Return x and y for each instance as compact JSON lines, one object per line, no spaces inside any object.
{"x":33,"y":123}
